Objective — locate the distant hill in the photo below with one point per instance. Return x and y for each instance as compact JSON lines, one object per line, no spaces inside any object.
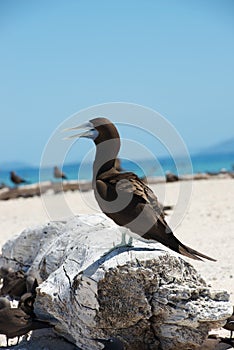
{"x":225,"y":147}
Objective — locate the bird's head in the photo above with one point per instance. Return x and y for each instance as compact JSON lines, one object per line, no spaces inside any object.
{"x":106,"y":138}
{"x":97,"y":129}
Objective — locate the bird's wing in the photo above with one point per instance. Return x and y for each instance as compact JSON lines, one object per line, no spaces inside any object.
{"x":152,"y":224}
{"x":130,"y":183}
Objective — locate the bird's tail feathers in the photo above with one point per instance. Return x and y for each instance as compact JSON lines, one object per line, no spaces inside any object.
{"x":193,"y":254}
{"x":183,"y":249}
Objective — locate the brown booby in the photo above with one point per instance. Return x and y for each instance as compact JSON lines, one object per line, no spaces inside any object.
{"x":170,"y":177}
{"x":58,"y":174}
{"x":14,"y":322}
{"x":229,"y":325}
{"x":16,"y":179}
{"x":26,"y":304}
{"x":123,"y":197}
{"x":14,"y":283}
{"x":27,"y":300}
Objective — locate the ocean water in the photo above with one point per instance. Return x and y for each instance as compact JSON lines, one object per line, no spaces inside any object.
{"x":200,"y":164}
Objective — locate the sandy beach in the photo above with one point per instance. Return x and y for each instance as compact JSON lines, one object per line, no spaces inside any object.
{"x":205,"y":224}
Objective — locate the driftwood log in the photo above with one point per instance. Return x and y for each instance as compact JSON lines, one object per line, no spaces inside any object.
{"x":26,"y":191}
{"x":146,"y":296}
{"x":38,"y":189}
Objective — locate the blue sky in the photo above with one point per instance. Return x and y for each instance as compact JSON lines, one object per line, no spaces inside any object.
{"x":58,"y":57}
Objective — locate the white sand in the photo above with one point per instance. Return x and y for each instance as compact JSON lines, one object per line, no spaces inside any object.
{"x":207,"y":225}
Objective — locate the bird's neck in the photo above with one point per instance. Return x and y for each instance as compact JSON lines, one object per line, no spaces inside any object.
{"x":106,"y":154}
{"x":99,"y":170}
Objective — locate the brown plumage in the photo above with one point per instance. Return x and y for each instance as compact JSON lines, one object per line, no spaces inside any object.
{"x":16,"y":179}
{"x":229,"y":325}
{"x":14,"y":322}
{"x":27,"y":300}
{"x":170,"y":177}
{"x":123,"y":196}
{"x":4,"y":271}
{"x":58,"y":174}
{"x":14,"y":283}
{"x":26,"y":304}
{"x":17,"y":283}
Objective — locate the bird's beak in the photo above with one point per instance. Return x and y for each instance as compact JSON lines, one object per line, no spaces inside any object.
{"x":87,"y":130}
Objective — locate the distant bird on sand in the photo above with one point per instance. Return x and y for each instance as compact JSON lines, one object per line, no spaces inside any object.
{"x":123,"y":196}
{"x":170,"y":177}
{"x":230,"y":324}
{"x":16,"y":179}
{"x":111,"y":344}
{"x":58,"y":174}
{"x":14,"y":322}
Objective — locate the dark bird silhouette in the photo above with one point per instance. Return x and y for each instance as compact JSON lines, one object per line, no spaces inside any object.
{"x":111,"y":344}
{"x":4,"y":271}
{"x":16,"y":179}
{"x":123,"y":196}
{"x":26,"y":304}
{"x":14,"y":322}
{"x":14,"y":283}
{"x":27,"y":300}
{"x":229,"y":325}
{"x":58,"y":174}
{"x":170,"y":177}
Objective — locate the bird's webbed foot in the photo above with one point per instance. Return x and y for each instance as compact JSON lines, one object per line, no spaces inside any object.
{"x":122,"y":244}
